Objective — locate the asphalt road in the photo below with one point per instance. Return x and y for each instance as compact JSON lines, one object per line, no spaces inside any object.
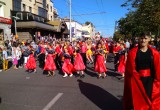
{"x":20,"y":90}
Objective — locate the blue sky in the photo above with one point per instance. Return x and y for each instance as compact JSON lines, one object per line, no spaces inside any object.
{"x":104,"y":23}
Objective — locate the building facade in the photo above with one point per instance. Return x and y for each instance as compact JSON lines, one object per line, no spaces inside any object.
{"x":76,"y":28}
{"x":5,"y":21}
{"x":88,"y":31}
{"x":34,"y":16}
{"x":43,"y":8}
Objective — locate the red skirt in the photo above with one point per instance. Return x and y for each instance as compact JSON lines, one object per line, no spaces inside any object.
{"x":31,"y":63}
{"x":122,"y":64}
{"x":100,"y":66}
{"x":50,"y":64}
{"x":78,"y":63}
{"x":67,"y":66}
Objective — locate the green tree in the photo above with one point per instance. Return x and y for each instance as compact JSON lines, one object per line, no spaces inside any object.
{"x":145,"y":17}
{"x":88,"y":22}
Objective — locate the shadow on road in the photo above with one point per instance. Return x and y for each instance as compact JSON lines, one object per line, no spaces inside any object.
{"x":103,"y":99}
{"x":114,"y":74}
{"x":90,"y":71}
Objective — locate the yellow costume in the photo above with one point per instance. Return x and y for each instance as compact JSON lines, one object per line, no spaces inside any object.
{"x":89,"y":52}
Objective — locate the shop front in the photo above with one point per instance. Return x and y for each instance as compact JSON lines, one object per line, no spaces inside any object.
{"x":31,"y":27}
{"x":5,"y":29}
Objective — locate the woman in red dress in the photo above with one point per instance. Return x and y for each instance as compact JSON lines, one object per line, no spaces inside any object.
{"x":50,"y":65}
{"x":79,"y":64}
{"x":31,"y":62}
{"x":67,"y":67}
{"x":122,"y":60}
{"x":100,"y":66}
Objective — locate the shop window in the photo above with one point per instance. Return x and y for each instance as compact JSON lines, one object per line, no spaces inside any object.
{"x":51,"y":18}
{"x":1,"y":35}
{"x":30,"y":9}
{"x":47,"y":6}
{"x":17,"y":5}
{"x":51,"y":8}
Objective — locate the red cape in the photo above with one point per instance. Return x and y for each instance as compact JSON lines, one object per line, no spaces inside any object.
{"x":134,"y":92}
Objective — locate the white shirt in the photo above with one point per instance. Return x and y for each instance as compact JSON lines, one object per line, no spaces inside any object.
{"x":5,"y":55}
{"x":127,"y":45}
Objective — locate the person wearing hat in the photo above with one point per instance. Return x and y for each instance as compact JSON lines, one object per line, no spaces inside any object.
{"x":142,"y":77}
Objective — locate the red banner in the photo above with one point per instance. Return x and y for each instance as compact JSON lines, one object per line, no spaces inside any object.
{"x":5,"y":20}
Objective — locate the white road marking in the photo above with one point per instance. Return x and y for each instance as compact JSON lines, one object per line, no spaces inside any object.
{"x":52,"y":102}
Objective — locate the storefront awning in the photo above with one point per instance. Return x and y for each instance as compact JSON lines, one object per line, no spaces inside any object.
{"x":60,"y":26}
{"x":35,"y":24}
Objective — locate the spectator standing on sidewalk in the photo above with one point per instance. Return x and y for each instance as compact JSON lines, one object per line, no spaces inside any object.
{"x":15,"y":55}
{"x":1,"y":60}
{"x":127,"y":45}
{"x":5,"y":58}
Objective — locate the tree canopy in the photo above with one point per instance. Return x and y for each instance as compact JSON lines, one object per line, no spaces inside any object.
{"x":143,"y":15}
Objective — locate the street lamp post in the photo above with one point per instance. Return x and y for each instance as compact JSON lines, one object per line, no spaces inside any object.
{"x":70,"y":16}
{"x":15,"y":24}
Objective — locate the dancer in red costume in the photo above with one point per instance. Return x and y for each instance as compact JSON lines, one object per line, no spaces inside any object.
{"x":50,"y":65}
{"x":67,"y":67}
{"x":116,"y":55}
{"x":100,"y":66}
{"x":31,"y":62}
{"x":142,"y":77}
{"x":122,"y":60}
{"x":79,"y":64}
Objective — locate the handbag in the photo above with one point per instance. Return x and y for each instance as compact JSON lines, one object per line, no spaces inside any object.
{"x":15,"y":61}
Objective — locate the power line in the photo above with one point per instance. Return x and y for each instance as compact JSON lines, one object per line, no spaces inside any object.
{"x":90,"y":14}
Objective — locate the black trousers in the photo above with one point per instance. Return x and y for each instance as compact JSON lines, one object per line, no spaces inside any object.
{"x":41,"y":59}
{"x":84,"y":58}
{"x":20,"y":61}
{"x":58,"y":61}
{"x":116,"y":58}
{"x":147,"y":84}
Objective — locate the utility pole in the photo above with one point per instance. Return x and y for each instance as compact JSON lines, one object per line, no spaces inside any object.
{"x":70,"y":20}
{"x":115,"y":28}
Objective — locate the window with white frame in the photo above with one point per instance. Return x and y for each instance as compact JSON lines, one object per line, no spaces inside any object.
{"x":24,"y":7}
{"x":30,"y":9}
{"x":1,"y":11}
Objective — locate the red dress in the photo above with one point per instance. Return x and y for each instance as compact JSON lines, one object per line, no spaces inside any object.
{"x":78,"y":63}
{"x":122,"y":63}
{"x":100,"y":66}
{"x":31,"y":63}
{"x":134,"y":91}
{"x":49,"y":64}
{"x":67,"y":66}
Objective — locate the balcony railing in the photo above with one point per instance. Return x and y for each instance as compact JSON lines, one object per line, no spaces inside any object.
{"x":27,"y":16}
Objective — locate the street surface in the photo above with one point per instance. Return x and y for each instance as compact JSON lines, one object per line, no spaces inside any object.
{"x":20,"y":90}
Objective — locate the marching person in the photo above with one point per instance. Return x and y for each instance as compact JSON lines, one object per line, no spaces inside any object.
{"x":116,"y":55}
{"x":67,"y":67}
{"x":50,"y":65}
{"x":41,"y":55}
{"x":89,"y":54}
{"x":100,"y":66}
{"x":122,"y":60}
{"x":142,"y":77}
{"x":79,"y":64}
{"x":83,"y":52}
{"x":31,"y":62}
